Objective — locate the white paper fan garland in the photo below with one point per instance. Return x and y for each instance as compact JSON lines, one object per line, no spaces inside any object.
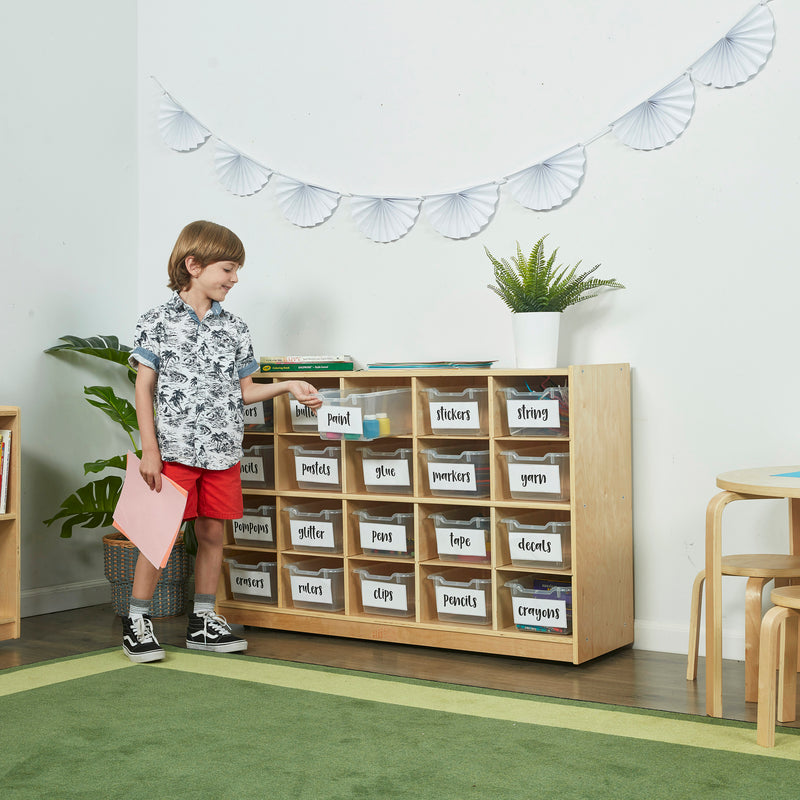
{"x":740,"y":54}
{"x":179,"y":129}
{"x":462,"y":214}
{"x":384,"y":219}
{"x":549,"y":183}
{"x":303,"y":204}
{"x":239,"y":174}
{"x":659,"y":120}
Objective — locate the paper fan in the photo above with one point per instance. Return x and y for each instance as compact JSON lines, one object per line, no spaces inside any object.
{"x":179,"y":129}
{"x":549,"y":183}
{"x":462,"y":214}
{"x":303,"y":204}
{"x":239,"y":174}
{"x":660,"y":120}
{"x":740,"y":54}
{"x":384,"y":219}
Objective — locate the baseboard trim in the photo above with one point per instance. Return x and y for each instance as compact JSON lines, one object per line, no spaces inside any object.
{"x":661,"y":638}
{"x":49,"y":599}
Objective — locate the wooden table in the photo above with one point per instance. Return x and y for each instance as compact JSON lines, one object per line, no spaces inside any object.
{"x":745,"y":484}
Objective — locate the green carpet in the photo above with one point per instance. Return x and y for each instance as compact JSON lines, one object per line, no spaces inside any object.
{"x":207,"y":726}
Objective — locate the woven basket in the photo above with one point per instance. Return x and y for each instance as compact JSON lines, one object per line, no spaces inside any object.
{"x":119,"y":562}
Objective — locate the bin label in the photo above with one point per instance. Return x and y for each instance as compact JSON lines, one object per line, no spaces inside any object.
{"x":253,"y":526}
{"x":312,"y":533}
{"x":453,"y":600}
{"x":310,"y":469}
{"x":383,"y":537}
{"x":312,"y":590}
{"x":251,"y":469}
{"x":540,"y":613}
{"x":535,"y":547}
{"x":248,"y":581}
{"x":461,"y":542}
{"x":254,"y":414}
{"x":535,"y":478}
{"x":533,"y":414}
{"x":386,"y":472}
{"x":302,"y":416}
{"x":452,"y":477}
{"x":462,"y":416}
{"x":340,"y":419}
{"x":383,"y":594}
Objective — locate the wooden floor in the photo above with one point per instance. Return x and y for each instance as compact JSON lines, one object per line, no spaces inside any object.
{"x":626,"y":677}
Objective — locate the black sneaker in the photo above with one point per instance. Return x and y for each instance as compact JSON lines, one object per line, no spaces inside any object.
{"x":210,"y":631}
{"x":139,"y":641}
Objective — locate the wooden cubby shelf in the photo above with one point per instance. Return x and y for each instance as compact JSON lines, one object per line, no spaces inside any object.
{"x":592,"y":447}
{"x":10,"y":532}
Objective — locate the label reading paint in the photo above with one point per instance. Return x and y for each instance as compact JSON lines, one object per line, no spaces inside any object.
{"x":340,"y":419}
{"x":253,"y":526}
{"x":382,"y":594}
{"x":312,"y":469}
{"x":452,"y":478}
{"x":533,"y":414}
{"x":383,"y":537}
{"x":307,"y":589}
{"x":460,"y":416}
{"x":461,"y":542}
{"x":453,"y":600}
{"x":312,"y":533}
{"x":535,"y":478}
{"x":386,"y":472}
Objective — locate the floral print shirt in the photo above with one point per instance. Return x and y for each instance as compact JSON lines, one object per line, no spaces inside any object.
{"x":198,"y":400}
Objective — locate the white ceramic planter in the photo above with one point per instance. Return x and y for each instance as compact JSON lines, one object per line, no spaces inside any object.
{"x":536,"y":338}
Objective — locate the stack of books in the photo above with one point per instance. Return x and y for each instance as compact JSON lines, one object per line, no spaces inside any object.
{"x":5,"y":468}
{"x":306,"y":363}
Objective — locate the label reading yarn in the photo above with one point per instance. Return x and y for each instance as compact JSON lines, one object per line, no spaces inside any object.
{"x":460,"y":416}
{"x":533,"y":414}
{"x":534,"y":478}
{"x":383,"y":594}
{"x":253,"y":527}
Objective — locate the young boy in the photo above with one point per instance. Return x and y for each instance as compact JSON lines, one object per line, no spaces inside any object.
{"x":194,"y":362}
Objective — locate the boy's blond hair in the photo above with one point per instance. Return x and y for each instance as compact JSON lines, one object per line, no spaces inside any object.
{"x":208,"y":243}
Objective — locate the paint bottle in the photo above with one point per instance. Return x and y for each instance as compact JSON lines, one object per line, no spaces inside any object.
{"x":384,"y":424}
{"x":372,"y":428}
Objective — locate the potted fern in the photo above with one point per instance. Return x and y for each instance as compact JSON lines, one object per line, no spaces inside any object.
{"x":537,"y":292}
{"x":92,"y":505}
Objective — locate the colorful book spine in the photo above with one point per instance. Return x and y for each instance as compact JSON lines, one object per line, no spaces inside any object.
{"x":306,"y":366}
{"x":5,"y":460}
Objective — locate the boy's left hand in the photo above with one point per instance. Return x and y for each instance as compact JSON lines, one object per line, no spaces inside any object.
{"x":305,"y":393}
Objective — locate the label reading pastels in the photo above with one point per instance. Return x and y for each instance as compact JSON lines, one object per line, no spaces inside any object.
{"x":462,"y":416}
{"x":248,"y":581}
{"x":383,"y":537}
{"x":254,"y":414}
{"x":533,"y":414}
{"x":461,"y":542}
{"x":386,"y":472}
{"x":253,"y":526}
{"x":302,"y":416}
{"x":452,"y":478}
{"x":340,"y":419}
{"x":316,"y":469}
{"x":307,"y":589}
{"x":380,"y":594}
{"x":312,"y":533}
{"x":535,"y":478}
{"x":251,"y":469}
{"x":535,"y":547}
{"x":540,"y":613}
{"x":453,"y":600}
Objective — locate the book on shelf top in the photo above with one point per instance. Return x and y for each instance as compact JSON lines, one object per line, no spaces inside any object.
{"x":5,"y":468}
{"x":305,"y":363}
{"x":430,"y":365}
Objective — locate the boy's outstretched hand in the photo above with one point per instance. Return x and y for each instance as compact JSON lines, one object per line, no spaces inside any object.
{"x":305,"y":393}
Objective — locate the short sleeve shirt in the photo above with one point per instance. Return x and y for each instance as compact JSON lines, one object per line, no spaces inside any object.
{"x":198,"y":400}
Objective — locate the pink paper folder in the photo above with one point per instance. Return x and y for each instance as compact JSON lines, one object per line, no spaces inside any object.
{"x":150,"y":519}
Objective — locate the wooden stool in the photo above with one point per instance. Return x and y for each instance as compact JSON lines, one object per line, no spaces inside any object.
{"x":759,"y":569}
{"x":786,"y":606}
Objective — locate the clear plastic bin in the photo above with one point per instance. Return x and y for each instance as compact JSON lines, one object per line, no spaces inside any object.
{"x":383,"y":533}
{"x":318,"y":469}
{"x":540,"y":605}
{"x":258,"y":416}
{"x":304,"y":420}
{"x":543,"y":546}
{"x":364,"y":416}
{"x":453,"y":472}
{"x":464,"y":413}
{"x":254,"y":583}
{"x":392,"y":594}
{"x":388,"y":473}
{"x":257,"y":467}
{"x":463,"y":539}
{"x":469,"y":602}
{"x":256,"y":528}
{"x":316,"y":529}
{"x":538,"y":477}
{"x":544,"y":413}
{"x":316,"y":585}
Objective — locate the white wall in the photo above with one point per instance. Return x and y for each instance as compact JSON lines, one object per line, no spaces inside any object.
{"x":70,"y":253}
{"x":425,"y":97}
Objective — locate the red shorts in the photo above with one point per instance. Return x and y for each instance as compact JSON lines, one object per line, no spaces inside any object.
{"x":215,"y":493}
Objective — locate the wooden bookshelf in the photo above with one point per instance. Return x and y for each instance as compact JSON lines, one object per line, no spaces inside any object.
{"x":597,"y":439}
{"x":10,"y":533}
